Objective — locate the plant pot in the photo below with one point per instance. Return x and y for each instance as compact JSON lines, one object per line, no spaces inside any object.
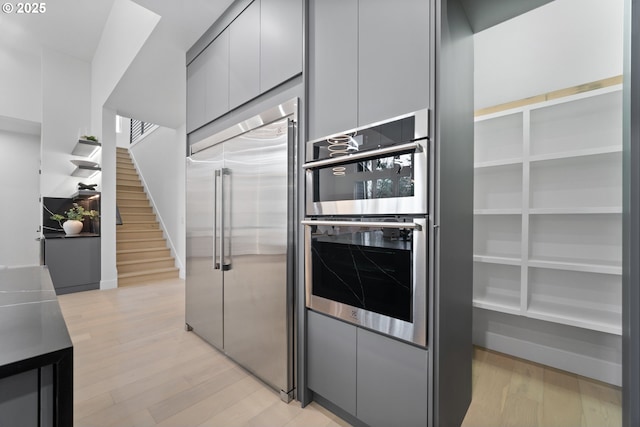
{"x":72,"y":227}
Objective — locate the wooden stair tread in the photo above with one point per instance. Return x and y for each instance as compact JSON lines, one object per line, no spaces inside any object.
{"x":135,"y":251}
{"x":146,"y":239}
{"x":147,"y":272}
{"x":145,"y":261}
{"x":146,"y":258}
{"x":131,"y":221}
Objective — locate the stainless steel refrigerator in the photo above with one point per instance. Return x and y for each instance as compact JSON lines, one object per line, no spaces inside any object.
{"x":239,"y":243}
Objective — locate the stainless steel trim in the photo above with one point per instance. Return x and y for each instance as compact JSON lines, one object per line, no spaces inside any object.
{"x":415,"y":205}
{"x":421,"y":131}
{"x":364,"y":154}
{"x":275,"y":113}
{"x":373,"y":224}
{"x":415,"y":332}
{"x":217,"y":261}
{"x":223,"y":264}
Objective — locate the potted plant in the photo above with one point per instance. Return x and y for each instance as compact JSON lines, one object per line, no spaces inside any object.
{"x":73,"y":218}
{"x":89,"y":138}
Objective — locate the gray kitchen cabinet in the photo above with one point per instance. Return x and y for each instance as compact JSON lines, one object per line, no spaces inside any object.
{"x":280,"y":41}
{"x":217,"y":88}
{"x":196,"y":89}
{"x":73,"y":262}
{"x":368,"y":61}
{"x":333,"y":66}
{"x":392,"y":382}
{"x":208,"y":83}
{"x":244,"y":56}
{"x":331,"y":349}
{"x":379,"y":380}
{"x":19,"y":399}
{"x":393,"y":58}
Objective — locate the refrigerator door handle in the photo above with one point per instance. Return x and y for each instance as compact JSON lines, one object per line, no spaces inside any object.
{"x":224,"y":265}
{"x":217,"y":250}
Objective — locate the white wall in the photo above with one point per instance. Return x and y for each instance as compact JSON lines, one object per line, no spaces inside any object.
{"x":562,"y":44}
{"x":559,"y":45}
{"x":124,"y":137}
{"x":160,"y":159}
{"x":20,"y":189}
{"x":20,"y":77}
{"x":66,"y":96}
{"x":126,"y":30}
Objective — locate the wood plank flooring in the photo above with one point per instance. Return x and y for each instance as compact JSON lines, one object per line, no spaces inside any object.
{"x":135,"y":366}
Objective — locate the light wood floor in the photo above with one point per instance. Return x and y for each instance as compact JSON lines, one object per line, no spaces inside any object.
{"x":135,"y":366}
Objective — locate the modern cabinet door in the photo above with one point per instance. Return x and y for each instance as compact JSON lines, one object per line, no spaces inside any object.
{"x":196,"y":89}
{"x":331,"y":361}
{"x":392,"y":382}
{"x":74,"y":263}
{"x":244,"y":56}
{"x":208,"y":83}
{"x":333,"y":66}
{"x":280,"y":41}
{"x":217,"y":89}
{"x":393,"y":58}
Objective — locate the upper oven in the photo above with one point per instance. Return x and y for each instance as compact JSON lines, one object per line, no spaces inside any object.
{"x":377,"y":169}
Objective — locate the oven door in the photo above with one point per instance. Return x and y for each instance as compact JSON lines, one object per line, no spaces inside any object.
{"x":376,"y":169}
{"x":370,"y":273}
{"x":387,"y":181}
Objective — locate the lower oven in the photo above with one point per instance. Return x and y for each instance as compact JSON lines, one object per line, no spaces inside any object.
{"x":371,"y":272}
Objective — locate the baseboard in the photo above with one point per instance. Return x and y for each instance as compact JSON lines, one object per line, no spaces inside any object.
{"x":576,"y":363}
{"x":108,"y":284}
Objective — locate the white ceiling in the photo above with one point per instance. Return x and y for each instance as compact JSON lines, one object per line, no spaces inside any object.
{"x":73,"y":27}
{"x":152,"y":88}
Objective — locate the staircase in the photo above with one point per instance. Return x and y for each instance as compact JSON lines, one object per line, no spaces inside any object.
{"x":142,"y":254}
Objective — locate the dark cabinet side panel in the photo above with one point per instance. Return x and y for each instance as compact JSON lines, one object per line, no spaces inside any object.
{"x":244,"y":56}
{"x":393,"y":54}
{"x":392,"y":382}
{"x":333,"y":66}
{"x":19,"y":399}
{"x":280,"y":41}
{"x":331,"y":360}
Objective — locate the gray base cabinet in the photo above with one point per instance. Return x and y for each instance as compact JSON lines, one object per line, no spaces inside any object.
{"x":392,"y":382}
{"x":74,"y":263}
{"x":19,"y":397}
{"x":379,"y":380}
{"x":331,"y":346}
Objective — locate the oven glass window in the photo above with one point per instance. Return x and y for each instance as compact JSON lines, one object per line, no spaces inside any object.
{"x":369,"y":269}
{"x":384,"y":135}
{"x":377,"y":178}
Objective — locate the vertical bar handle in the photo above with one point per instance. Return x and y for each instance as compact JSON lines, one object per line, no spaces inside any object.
{"x":223,"y":201}
{"x":217,"y":250}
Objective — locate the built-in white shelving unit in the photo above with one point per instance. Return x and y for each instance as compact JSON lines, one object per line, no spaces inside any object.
{"x":548,"y":210}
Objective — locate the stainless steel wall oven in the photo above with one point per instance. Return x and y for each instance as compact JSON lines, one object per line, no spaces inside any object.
{"x":366,"y":234}
{"x":378,"y":169}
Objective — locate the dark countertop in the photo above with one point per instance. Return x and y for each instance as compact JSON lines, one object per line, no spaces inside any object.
{"x":61,"y":235}
{"x":32,"y":329}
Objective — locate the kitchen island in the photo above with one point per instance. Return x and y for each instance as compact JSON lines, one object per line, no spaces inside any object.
{"x":36,"y":352}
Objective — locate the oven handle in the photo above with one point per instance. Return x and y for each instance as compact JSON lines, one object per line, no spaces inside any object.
{"x":363,"y":155}
{"x":376,"y":224}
